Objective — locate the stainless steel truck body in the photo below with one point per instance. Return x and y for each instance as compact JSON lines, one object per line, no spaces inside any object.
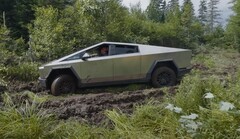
{"x":119,"y":63}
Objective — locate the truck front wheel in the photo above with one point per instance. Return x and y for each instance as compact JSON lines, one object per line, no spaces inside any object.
{"x":163,"y":76}
{"x":63,"y":84}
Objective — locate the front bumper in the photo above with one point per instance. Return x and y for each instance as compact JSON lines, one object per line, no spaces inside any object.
{"x":184,"y":71}
{"x":42,"y":82}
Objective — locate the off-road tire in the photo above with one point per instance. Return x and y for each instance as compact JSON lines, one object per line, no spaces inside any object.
{"x":163,"y":76}
{"x":63,"y":84}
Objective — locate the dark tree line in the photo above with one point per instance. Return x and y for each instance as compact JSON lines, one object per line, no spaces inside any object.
{"x":19,"y":13}
{"x":49,"y":29}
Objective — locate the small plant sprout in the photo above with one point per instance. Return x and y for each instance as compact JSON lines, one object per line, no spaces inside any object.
{"x":177,"y":109}
{"x":193,"y":116}
{"x":188,"y":123}
{"x":170,"y":107}
{"x":226,"y":106}
{"x":174,"y":109}
{"x":209,"y":95}
{"x":193,"y":126}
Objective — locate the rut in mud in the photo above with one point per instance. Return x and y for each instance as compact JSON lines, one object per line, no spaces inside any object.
{"x":90,"y":108}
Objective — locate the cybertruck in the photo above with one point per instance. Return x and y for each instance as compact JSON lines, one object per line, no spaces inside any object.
{"x":122,"y":63}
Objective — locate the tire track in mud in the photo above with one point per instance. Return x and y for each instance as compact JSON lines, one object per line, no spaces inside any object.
{"x":90,"y":108}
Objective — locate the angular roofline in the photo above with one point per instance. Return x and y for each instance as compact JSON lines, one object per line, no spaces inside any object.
{"x":120,"y":43}
{"x":123,"y":43}
{"x":144,"y":45}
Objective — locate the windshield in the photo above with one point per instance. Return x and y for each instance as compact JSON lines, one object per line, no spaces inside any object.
{"x":75,"y":57}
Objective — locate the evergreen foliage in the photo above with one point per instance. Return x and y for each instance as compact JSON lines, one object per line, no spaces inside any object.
{"x":19,"y":13}
{"x":233,"y":28}
{"x":46,"y":30}
{"x":213,"y":14}
{"x":187,"y":19}
{"x":202,"y":12}
{"x":41,"y":31}
{"x":156,"y":10}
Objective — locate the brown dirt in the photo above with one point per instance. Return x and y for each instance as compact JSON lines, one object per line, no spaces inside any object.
{"x":200,"y":67}
{"x":90,"y":104}
{"x":90,"y":108}
{"x":19,"y":86}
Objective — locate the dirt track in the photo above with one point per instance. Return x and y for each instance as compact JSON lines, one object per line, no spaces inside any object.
{"x":90,"y":107}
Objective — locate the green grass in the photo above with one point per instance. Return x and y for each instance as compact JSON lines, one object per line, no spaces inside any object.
{"x":28,"y":120}
{"x":155,"y":121}
{"x":148,"y":121}
{"x":24,"y":121}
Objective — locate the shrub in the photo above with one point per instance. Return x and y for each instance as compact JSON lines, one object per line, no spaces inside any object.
{"x":192,"y":89}
{"x":28,"y":120}
{"x":24,"y":121}
{"x":148,"y":121}
{"x":26,"y":71}
{"x":202,"y":108}
{"x":8,"y":58}
{"x":204,"y":60}
{"x":215,"y":104}
{"x":11,"y":67}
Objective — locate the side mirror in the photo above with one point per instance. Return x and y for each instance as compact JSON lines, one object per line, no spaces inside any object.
{"x":85,"y":58}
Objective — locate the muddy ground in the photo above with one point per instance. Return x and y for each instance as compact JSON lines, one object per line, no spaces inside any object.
{"x":90,"y":108}
{"x":89,"y":105}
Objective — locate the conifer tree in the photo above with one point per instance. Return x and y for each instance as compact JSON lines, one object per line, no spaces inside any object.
{"x":187,"y":16}
{"x":187,"y":19}
{"x":156,"y":10}
{"x":233,"y":27}
{"x":213,"y":15}
{"x":202,"y":12}
{"x":173,"y":11}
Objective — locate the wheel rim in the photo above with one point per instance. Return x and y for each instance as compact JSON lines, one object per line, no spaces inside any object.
{"x":164,"y":78}
{"x":66,"y":87}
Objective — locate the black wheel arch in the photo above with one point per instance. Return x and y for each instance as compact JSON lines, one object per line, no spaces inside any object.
{"x":57,"y":72}
{"x":163,"y":63}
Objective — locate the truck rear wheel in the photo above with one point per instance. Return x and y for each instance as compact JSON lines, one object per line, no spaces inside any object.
{"x":63,"y":84}
{"x":163,"y":76}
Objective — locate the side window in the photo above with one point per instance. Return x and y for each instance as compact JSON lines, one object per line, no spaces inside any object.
{"x":92,"y":52}
{"x":125,"y":49}
{"x":102,"y":50}
{"x":98,"y":51}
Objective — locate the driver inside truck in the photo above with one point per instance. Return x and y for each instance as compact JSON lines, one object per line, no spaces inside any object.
{"x":104,"y":51}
